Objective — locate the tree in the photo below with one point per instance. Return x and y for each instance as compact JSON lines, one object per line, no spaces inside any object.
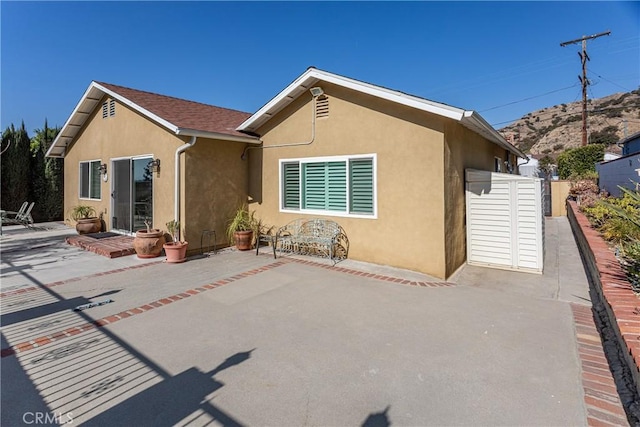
{"x":47,"y":176}
{"x":16,"y":166}
{"x":546,"y":165}
{"x":578,"y":162}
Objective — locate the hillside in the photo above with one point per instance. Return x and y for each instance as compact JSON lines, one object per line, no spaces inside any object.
{"x":552,"y":130}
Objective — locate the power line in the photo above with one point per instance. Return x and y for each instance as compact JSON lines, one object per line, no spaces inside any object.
{"x":595,"y":110}
{"x":613,"y":83}
{"x":527,"y":99}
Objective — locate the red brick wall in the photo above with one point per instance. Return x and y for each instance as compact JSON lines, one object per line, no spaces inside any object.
{"x":621,"y":303}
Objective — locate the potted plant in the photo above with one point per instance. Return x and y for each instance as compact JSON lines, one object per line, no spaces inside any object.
{"x":148,"y":243}
{"x":176,"y":250}
{"x":86,"y":220}
{"x":241,"y":227}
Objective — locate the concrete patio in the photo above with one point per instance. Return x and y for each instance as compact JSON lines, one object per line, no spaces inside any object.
{"x":239,"y":339}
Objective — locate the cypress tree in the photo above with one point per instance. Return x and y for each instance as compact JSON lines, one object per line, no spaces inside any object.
{"x":47,"y":176}
{"x":15,"y":164}
{"x":38,"y":182}
{"x":54,"y":176}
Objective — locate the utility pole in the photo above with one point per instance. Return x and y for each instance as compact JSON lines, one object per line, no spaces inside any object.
{"x":585,"y":82}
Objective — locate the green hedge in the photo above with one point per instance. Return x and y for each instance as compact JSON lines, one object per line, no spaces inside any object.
{"x":577,"y":162}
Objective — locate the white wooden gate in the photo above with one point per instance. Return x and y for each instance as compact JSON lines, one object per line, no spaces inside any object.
{"x":505,"y":221}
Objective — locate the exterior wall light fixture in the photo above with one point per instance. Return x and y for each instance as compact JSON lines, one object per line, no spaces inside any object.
{"x":154,"y":165}
{"x":316,"y":91}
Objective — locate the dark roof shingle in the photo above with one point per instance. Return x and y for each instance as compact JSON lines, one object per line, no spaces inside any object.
{"x":183,"y":113}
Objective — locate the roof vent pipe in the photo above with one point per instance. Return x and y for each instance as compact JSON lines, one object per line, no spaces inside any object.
{"x":315,"y":92}
{"x":180,"y":150}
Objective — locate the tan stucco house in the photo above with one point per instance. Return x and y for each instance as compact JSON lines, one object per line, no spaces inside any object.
{"x":388,"y":166}
{"x":137,"y":156}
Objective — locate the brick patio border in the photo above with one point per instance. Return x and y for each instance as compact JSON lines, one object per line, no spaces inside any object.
{"x":40,"y":341}
{"x":76,"y":279}
{"x":382,"y":277}
{"x":621,"y":303}
{"x":69,"y":332}
{"x":601,"y":397}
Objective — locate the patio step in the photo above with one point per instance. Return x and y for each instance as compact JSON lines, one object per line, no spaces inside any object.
{"x":111,"y":247}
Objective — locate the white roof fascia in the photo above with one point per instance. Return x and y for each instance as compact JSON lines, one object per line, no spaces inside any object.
{"x":216,"y":135}
{"x":274,"y":101}
{"x":173,"y":128}
{"x":66,"y":124}
{"x":138,"y":108}
{"x":392,"y":95}
{"x":313,"y":75}
{"x":475,"y":122}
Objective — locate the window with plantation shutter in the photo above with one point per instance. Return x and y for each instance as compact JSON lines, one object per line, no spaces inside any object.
{"x":324,"y":186}
{"x":361,"y":178}
{"x":291,"y":185}
{"x":342,"y":186}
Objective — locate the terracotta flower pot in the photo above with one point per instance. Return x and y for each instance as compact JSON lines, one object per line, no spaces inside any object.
{"x":243,"y":239}
{"x":148,"y":244}
{"x":176,"y":251}
{"x":89,"y":225}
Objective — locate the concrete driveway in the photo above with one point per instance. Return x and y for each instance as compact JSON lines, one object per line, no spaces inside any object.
{"x":235,"y":339}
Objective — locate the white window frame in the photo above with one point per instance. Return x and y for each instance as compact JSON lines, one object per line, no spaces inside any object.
{"x":112,"y":188}
{"x":80,"y":180}
{"x":497,"y":164}
{"x":302,"y":160}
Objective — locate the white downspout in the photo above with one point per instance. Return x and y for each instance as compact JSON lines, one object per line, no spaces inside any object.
{"x":181,"y":149}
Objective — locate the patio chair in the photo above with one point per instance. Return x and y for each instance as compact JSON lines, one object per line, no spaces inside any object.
{"x":12,"y":214}
{"x":20,"y":218}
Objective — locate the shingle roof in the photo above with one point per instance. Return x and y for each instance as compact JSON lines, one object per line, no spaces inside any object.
{"x":179,"y":116}
{"x":183,"y":113}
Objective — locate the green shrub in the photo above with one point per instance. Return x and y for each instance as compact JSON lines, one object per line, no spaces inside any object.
{"x":619,"y":230}
{"x":598,"y":214}
{"x":630,"y":253}
{"x":578,"y":161}
{"x":618,"y":219}
{"x":625,"y":207}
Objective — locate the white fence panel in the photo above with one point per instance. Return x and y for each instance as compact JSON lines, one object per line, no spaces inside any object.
{"x":505,"y":221}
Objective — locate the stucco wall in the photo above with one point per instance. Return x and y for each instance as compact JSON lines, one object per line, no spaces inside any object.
{"x":409,"y":229}
{"x":463,"y":149}
{"x":124,"y":135}
{"x":216,"y":182}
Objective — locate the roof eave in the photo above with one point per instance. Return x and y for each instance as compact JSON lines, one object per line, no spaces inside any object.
{"x":55,"y":146}
{"x":312,"y":76}
{"x":476,"y":123}
{"x":217,"y":135}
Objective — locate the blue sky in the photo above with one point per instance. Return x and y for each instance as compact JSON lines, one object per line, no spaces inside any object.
{"x":473,"y":55}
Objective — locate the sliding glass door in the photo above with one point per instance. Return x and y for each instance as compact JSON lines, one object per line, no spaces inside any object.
{"x":131,"y":194}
